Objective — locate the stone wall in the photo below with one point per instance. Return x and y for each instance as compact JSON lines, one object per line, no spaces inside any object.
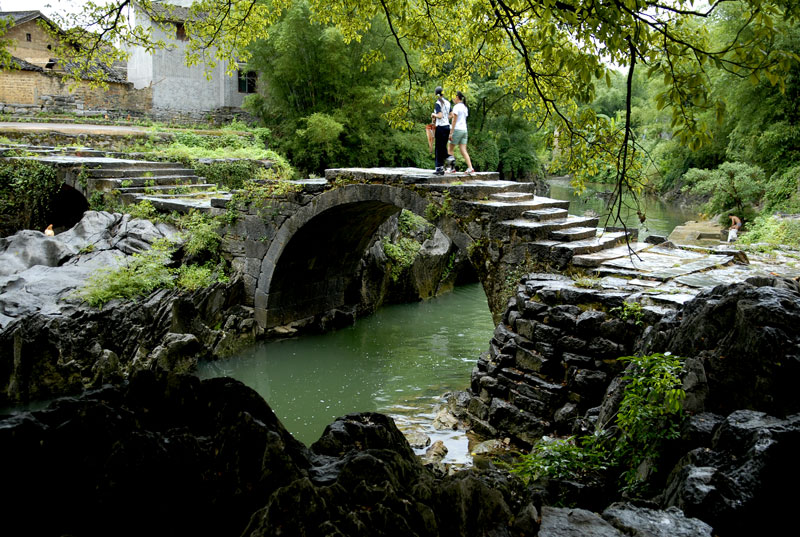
{"x":551,"y":358}
{"x":33,"y":92}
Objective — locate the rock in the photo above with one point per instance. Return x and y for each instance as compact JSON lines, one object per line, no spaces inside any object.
{"x":488,"y":447}
{"x":28,"y":248}
{"x":435,"y":453}
{"x":181,"y":454}
{"x":746,"y":339}
{"x":178,"y":353}
{"x":644,"y":522}
{"x":566,"y":522}
{"x":445,"y":420}
{"x":738,"y":484}
{"x":52,"y":344}
{"x":417,"y":439}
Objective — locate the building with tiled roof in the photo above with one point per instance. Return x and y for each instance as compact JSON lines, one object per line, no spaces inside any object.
{"x":36,"y":76}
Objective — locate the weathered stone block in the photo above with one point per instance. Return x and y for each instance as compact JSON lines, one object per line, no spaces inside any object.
{"x":589,"y":384}
{"x":536,"y":331}
{"x":478,"y":408}
{"x":526,"y":403}
{"x":532,"y":309}
{"x":563,"y":316}
{"x":502,"y":334}
{"x":589,"y":322}
{"x":604,"y":348}
{"x":530,"y":360}
{"x":571,"y":344}
{"x":518,"y":423}
{"x":577,"y":360}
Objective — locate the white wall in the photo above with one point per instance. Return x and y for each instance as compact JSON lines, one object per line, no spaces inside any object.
{"x":175,"y":85}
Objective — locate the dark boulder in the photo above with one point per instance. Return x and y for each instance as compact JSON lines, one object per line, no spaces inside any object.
{"x":738,"y":484}
{"x":746,"y":338}
{"x":167,"y":452}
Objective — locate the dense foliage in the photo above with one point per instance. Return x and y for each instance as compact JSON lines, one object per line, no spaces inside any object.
{"x":27,"y":189}
{"x":142,"y":273}
{"x":750,"y":161}
{"x":327,"y":109}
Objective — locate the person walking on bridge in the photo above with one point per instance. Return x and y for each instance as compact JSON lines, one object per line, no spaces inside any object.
{"x":440,"y":118}
{"x":458,"y":131}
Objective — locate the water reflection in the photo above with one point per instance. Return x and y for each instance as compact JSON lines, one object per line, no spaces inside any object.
{"x":662,"y":217}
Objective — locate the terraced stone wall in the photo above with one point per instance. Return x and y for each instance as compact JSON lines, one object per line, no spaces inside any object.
{"x":552,"y":358}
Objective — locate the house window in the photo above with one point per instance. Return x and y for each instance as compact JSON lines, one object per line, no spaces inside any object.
{"x":247,"y":81}
{"x":27,"y":37}
{"x":180,"y":32}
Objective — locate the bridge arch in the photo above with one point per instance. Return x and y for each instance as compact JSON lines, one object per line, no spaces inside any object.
{"x":310,"y":265}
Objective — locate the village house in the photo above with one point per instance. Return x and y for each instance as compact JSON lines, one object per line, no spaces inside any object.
{"x":36,"y":82}
{"x":155,"y":84}
{"x":176,"y":87}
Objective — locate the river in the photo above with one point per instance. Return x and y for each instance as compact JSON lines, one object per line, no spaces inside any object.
{"x":661,"y":217}
{"x":398,"y":361}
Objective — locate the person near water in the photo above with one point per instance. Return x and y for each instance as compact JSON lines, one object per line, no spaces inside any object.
{"x":458,"y":130}
{"x":439,"y":117}
{"x":733,"y":231}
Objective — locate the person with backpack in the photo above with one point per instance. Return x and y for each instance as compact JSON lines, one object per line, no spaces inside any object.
{"x":439,"y":117}
{"x":458,"y":131}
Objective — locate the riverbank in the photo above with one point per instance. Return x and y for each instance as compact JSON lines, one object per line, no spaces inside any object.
{"x":211,"y":458}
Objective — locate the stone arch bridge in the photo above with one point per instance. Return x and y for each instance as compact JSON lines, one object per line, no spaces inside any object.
{"x":299,"y":251}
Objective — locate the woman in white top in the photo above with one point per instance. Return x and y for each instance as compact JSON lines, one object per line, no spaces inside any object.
{"x":458,"y":129}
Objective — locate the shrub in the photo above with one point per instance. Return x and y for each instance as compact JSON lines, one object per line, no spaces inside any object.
{"x":200,"y":232}
{"x":773,"y":230}
{"x":650,"y":413}
{"x":231,"y":174}
{"x":733,"y":185}
{"x":142,"y":274}
{"x":144,"y":210}
{"x":192,"y":277}
{"x":27,"y":190}
{"x":563,"y":458}
{"x":783,"y":191}
{"x":401,"y":254}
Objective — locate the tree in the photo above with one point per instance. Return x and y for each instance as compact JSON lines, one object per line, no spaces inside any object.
{"x":548,"y":54}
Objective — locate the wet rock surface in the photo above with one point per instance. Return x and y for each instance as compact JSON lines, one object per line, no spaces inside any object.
{"x":52,"y":344}
{"x":551,"y":369}
{"x":211,"y":458}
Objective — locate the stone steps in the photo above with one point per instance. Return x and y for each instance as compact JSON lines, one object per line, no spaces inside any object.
{"x":127,"y":173}
{"x":573,"y":234}
{"x":479,"y":189}
{"x":545,"y":214}
{"x":597,"y":243}
{"x":601,"y":255}
{"x":512,"y":196}
{"x":181,"y":205}
{"x":537,"y":230}
{"x":133,"y":194}
{"x":152,"y":181}
{"x":513,"y":210}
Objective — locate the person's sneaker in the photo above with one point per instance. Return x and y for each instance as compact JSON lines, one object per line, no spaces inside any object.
{"x":470,"y":171}
{"x":438,"y":171}
{"x":451,"y":158}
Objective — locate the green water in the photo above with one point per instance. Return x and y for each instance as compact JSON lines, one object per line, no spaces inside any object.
{"x":398,"y":361}
{"x":661,"y":217}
